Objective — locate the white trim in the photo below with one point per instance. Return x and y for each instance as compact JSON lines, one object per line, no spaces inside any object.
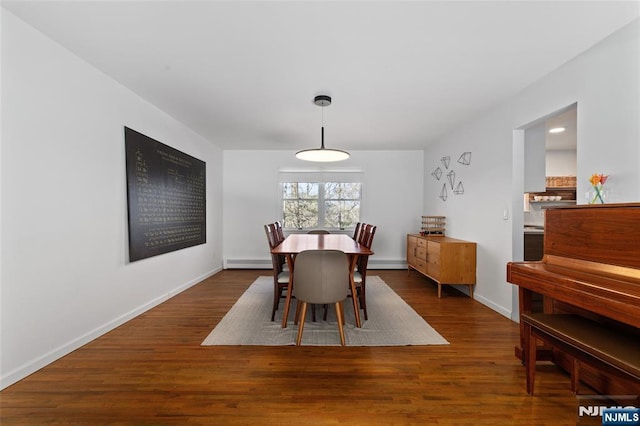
{"x":309,"y":175}
{"x":321,"y":170}
{"x":266,"y":264}
{"x":34,"y":365}
{"x":248,"y":264}
{"x":491,"y":305}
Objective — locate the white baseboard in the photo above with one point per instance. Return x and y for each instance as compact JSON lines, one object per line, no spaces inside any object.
{"x":486,"y":302}
{"x":62,"y":350}
{"x":247,"y":264}
{"x":266,"y":264}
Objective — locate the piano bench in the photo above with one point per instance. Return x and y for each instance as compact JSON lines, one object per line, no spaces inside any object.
{"x":605,"y":348}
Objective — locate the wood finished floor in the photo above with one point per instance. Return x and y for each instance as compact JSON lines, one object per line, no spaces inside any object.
{"x":152,"y":370}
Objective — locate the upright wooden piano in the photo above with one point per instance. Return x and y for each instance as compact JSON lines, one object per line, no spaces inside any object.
{"x":591,"y":269}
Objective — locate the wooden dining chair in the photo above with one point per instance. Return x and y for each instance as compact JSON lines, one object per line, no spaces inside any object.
{"x":280,"y":276}
{"x":321,"y":277}
{"x":365,"y":232}
{"x":279,"y":230}
{"x":371,"y":232}
{"x":356,"y":231}
{"x":280,"y":238}
{"x":360,"y":274}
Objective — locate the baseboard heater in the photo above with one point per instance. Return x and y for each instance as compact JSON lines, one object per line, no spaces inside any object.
{"x":266,"y":264}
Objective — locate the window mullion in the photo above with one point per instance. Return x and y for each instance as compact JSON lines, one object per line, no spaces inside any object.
{"x":321,"y":212}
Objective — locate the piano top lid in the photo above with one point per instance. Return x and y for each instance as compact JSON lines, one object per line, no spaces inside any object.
{"x":606,"y":233}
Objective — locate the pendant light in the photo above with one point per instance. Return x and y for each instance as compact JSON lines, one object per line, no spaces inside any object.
{"x":322,"y":154}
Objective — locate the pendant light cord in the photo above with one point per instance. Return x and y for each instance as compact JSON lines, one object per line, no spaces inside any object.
{"x":322,"y":129}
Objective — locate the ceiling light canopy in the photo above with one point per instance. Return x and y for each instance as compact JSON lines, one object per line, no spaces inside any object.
{"x":557,"y":130}
{"x":322,"y":154}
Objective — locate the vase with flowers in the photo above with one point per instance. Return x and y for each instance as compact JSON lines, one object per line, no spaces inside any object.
{"x":597,"y":182}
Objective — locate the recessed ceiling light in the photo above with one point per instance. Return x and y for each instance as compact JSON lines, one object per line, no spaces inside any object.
{"x":557,"y":130}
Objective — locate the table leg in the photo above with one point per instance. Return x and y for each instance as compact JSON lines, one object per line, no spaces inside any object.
{"x":287,"y":302}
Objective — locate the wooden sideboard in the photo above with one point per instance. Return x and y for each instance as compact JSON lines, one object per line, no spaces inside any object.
{"x":445,"y":260}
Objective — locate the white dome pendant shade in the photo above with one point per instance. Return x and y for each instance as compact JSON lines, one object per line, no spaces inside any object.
{"x":322,"y":154}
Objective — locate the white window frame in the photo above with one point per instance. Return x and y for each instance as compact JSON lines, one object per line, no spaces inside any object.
{"x":320,"y":177}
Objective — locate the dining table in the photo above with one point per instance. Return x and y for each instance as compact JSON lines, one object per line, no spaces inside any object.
{"x":296,"y":243}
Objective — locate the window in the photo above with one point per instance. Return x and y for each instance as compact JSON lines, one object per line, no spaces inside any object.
{"x":341,"y":204}
{"x":300,"y":205}
{"x":328,"y":205}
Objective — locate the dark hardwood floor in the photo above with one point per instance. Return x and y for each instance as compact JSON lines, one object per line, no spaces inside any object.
{"x":153,"y":370}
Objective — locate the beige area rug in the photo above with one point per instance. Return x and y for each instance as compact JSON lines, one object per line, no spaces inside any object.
{"x":391,"y":321}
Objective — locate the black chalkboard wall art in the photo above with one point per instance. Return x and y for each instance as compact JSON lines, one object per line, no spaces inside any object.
{"x":166,"y":196}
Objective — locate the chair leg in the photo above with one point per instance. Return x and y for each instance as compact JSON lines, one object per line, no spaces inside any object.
{"x":296,"y":317}
{"x":339,"y":316}
{"x":363,"y":299}
{"x":301,"y":326}
{"x":285,"y":315}
{"x":276,"y":301}
{"x":279,"y":292}
{"x":354,"y":299}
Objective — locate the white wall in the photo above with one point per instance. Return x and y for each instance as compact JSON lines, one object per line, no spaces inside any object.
{"x":392,"y":200}
{"x":604,"y":83}
{"x":561,"y":162}
{"x":535,"y":170}
{"x":65,"y":276}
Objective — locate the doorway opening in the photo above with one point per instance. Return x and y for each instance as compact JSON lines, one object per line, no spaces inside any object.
{"x":544,"y":174}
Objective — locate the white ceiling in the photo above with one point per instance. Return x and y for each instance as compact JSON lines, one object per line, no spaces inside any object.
{"x":401,"y":74}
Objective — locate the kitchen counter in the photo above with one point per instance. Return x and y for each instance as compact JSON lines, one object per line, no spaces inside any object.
{"x":534,"y":229}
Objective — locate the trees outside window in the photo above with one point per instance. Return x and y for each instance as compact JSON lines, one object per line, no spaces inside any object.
{"x":327,"y":205}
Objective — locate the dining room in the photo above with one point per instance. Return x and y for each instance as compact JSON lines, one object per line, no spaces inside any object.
{"x":125,"y":336}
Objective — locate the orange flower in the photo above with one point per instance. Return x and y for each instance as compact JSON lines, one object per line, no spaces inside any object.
{"x":596,"y":179}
